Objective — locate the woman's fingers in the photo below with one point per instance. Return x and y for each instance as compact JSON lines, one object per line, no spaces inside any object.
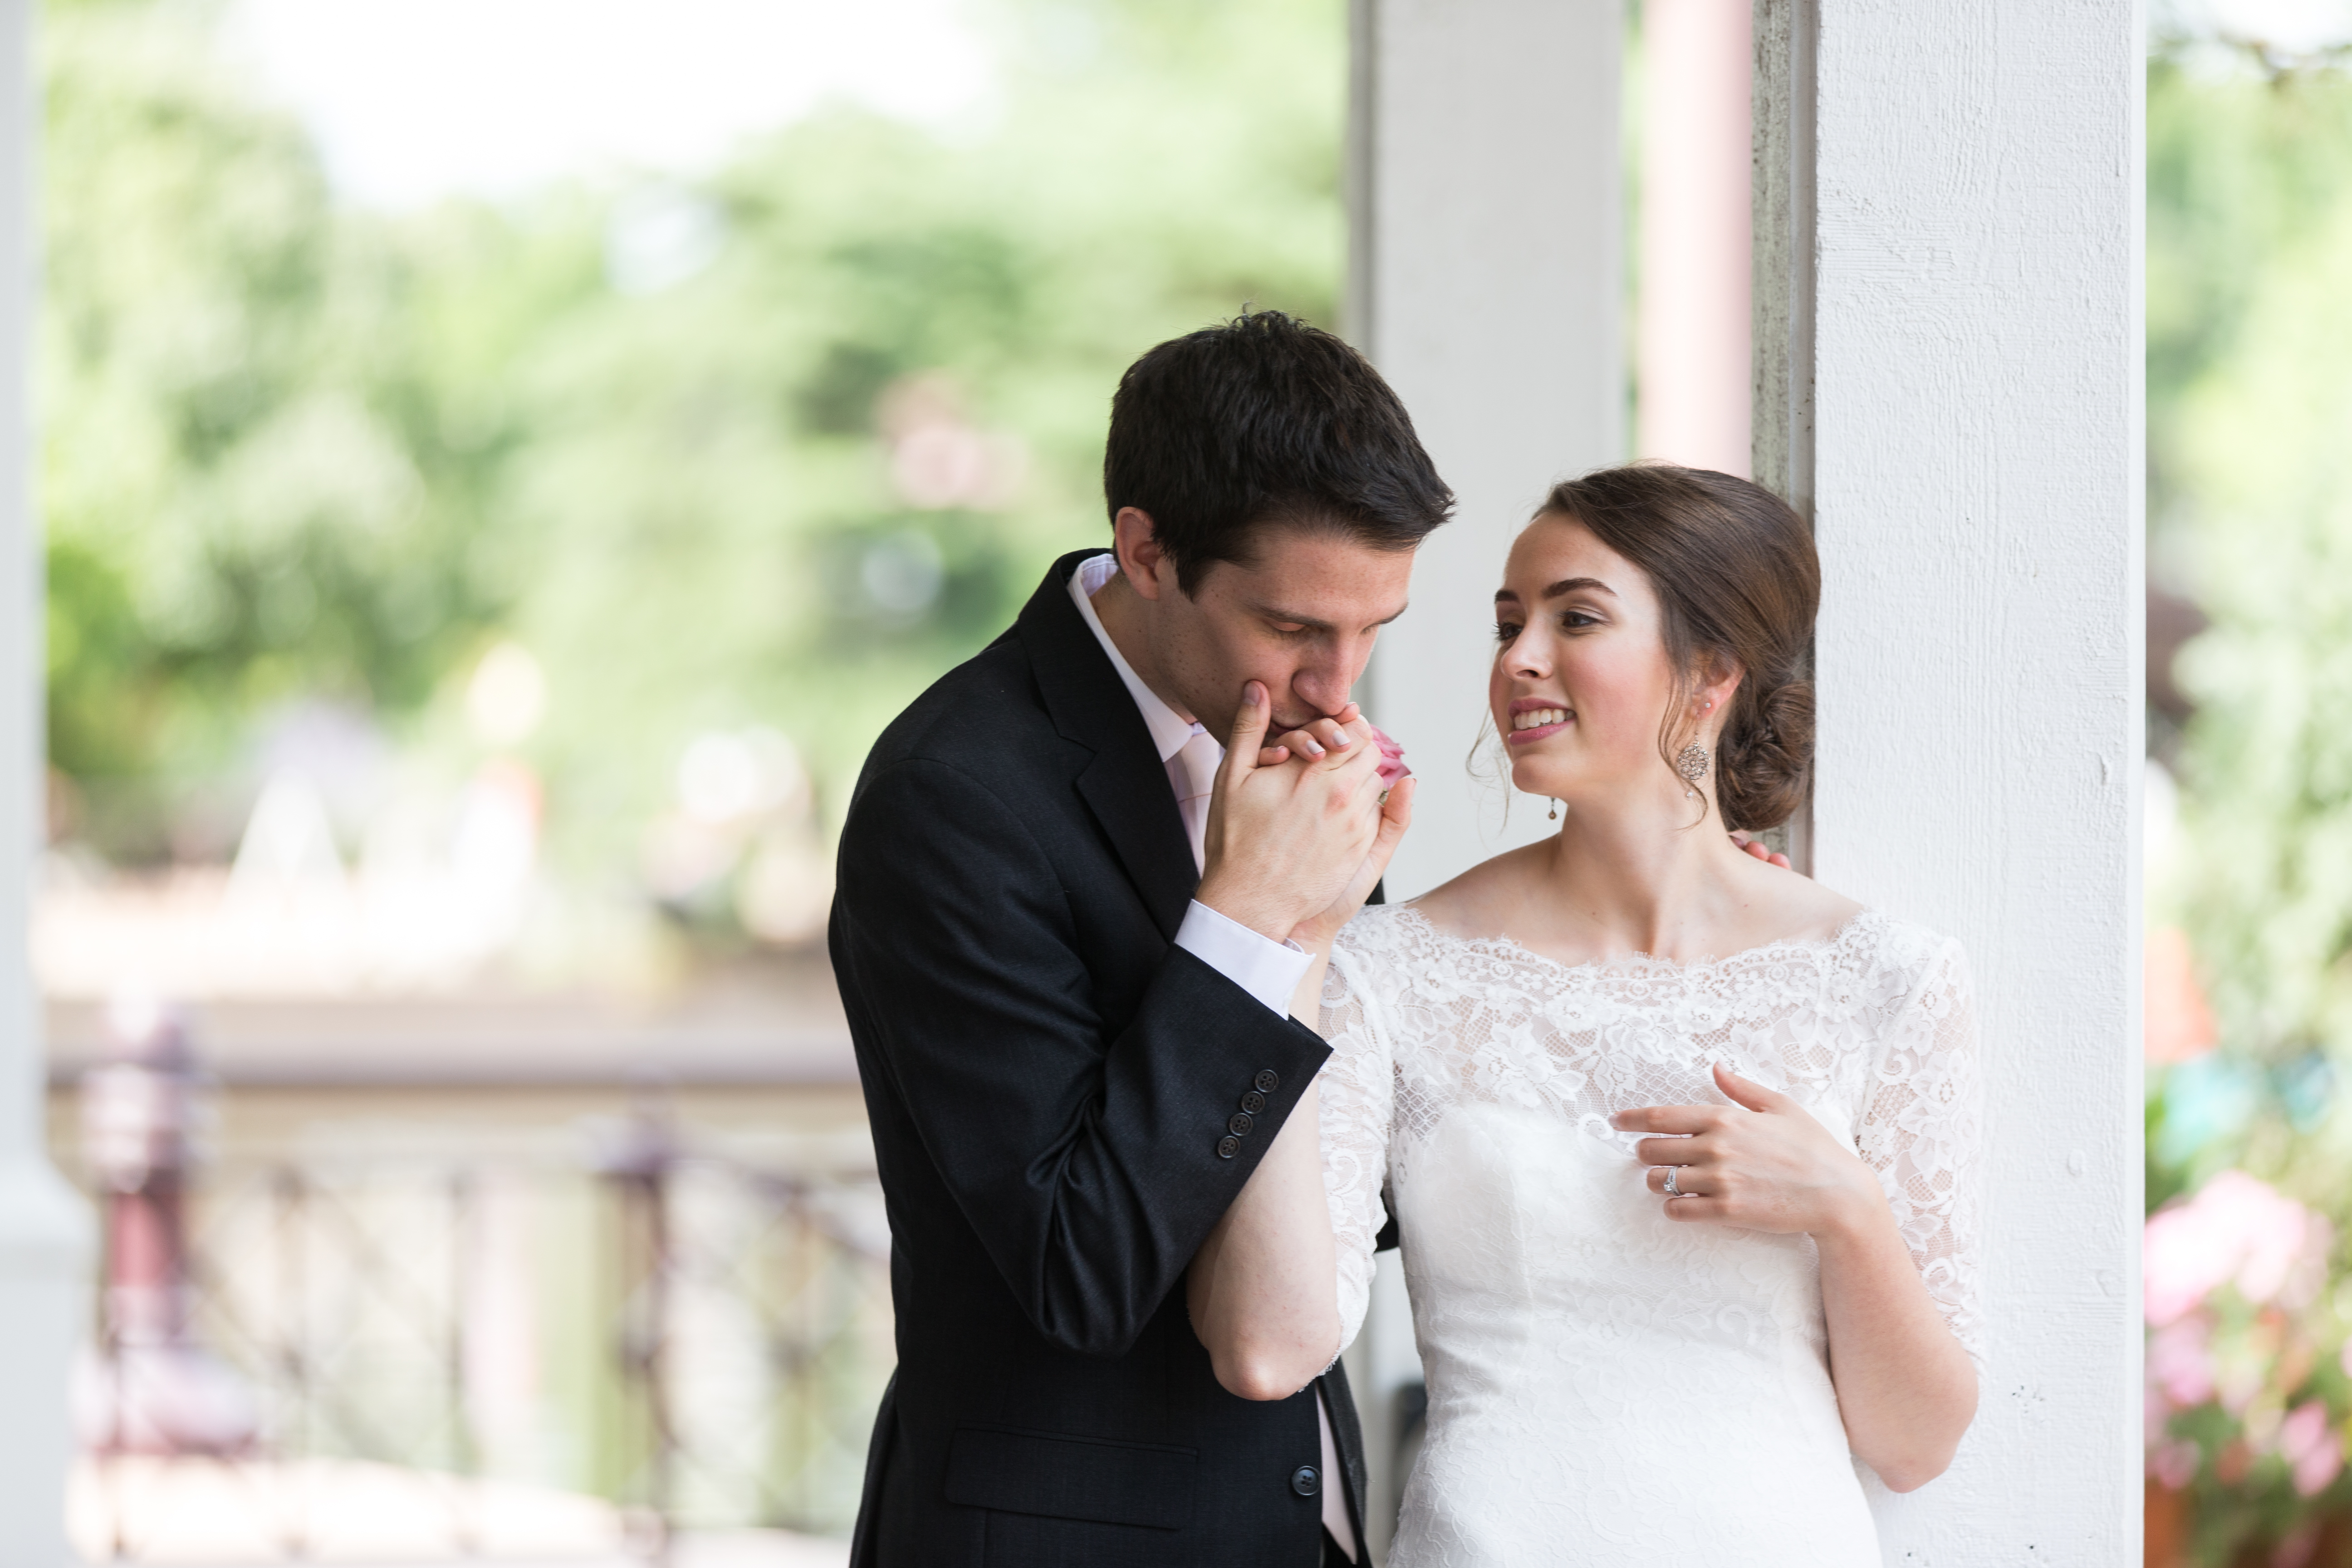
{"x":1747,"y":1091}
{"x":1687,"y":1150}
{"x":1682,"y":1119}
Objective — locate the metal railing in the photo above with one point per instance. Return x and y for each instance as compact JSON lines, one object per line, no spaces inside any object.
{"x":695,"y":1339}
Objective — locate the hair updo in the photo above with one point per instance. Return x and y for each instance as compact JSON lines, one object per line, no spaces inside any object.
{"x":1739,"y":582}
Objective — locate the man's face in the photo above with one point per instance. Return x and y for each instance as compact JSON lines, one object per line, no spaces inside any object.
{"x":1302,"y":617}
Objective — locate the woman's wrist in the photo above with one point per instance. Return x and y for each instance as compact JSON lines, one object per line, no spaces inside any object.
{"x":1858,"y":1221}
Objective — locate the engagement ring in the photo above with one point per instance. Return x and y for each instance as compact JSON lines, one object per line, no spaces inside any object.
{"x":1672,"y":1191}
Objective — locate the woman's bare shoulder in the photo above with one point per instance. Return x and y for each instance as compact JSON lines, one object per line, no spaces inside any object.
{"x":1795,"y":906}
{"x":1472,"y":904}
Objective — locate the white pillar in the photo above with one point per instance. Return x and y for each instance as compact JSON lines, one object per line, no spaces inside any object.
{"x":1486,"y":283}
{"x":1692,"y":333}
{"x":1976,"y":461}
{"x":44,"y":1226}
{"x":1487,"y":286}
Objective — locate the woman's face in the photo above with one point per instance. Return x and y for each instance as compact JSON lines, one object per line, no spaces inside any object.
{"x":1582,"y":679}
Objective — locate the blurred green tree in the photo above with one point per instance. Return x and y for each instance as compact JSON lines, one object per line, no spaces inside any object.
{"x":772,"y":446}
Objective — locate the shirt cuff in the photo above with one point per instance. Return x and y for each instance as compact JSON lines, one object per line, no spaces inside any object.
{"x":1266,"y":969}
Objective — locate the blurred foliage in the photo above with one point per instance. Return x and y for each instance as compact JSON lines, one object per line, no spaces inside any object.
{"x":295,"y":452}
{"x":2250,"y":400}
{"x":2249,"y":467}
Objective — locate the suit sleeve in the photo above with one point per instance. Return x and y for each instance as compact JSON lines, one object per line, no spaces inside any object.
{"x":1083,"y":1150}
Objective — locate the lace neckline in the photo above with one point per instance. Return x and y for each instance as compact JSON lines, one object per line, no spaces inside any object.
{"x":1644,"y":965}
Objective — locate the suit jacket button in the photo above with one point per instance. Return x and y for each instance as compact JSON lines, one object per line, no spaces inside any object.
{"x":1252,"y":1102}
{"x":1228,"y":1146}
{"x":1268,"y":1081}
{"x":1239,"y":1124}
{"x":1306,"y":1481}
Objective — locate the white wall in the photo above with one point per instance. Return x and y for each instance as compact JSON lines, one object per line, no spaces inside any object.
{"x":1488,"y":289}
{"x":1977,"y":467}
{"x":44,"y":1240}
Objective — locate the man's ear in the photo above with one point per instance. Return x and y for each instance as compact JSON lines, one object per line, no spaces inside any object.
{"x":1136,"y":542}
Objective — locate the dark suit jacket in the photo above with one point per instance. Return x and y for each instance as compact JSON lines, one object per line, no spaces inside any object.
{"x":1056,"y":1093}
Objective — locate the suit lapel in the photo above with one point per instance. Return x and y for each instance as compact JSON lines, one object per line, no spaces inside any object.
{"x":1126,"y":785}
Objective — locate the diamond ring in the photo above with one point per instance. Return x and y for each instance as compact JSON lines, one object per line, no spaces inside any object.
{"x":1672,"y":1191}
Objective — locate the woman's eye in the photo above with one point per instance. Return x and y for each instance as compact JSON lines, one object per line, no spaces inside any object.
{"x":1574,"y":619}
{"x":1505,"y":631}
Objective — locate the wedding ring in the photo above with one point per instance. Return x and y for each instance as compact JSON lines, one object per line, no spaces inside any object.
{"x":1384,"y":798}
{"x":1672,"y":1191}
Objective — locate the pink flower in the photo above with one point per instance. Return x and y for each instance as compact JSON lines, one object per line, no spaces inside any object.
{"x":2234,"y":1230}
{"x":2175,"y":1465}
{"x":2180,"y":1363}
{"x":1392,"y":766}
{"x":2312,"y":1447}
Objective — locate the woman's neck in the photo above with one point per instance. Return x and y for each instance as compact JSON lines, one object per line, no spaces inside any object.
{"x":1640,"y":876}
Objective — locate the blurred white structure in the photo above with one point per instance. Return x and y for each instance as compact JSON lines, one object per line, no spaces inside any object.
{"x":1946,"y":348}
{"x":45,"y":1229}
{"x":1692,"y":330}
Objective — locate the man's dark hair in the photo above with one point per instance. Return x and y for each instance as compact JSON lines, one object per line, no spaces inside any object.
{"x":1265,"y":422}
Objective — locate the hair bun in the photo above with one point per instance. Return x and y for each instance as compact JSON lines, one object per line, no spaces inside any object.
{"x":1767,"y":752}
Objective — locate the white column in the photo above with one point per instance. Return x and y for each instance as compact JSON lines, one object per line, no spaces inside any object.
{"x":44,"y":1227}
{"x":1692,"y":332}
{"x":1975,"y":475}
{"x":1487,"y":286}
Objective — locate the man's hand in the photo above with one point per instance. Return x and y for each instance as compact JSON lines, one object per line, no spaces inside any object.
{"x":1756,"y":846}
{"x":1286,"y":841}
{"x":1315,"y":740}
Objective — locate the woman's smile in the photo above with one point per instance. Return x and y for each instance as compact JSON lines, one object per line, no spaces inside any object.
{"x":1533,"y":718}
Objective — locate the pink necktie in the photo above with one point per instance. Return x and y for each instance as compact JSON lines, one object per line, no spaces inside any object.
{"x":1200,"y":757}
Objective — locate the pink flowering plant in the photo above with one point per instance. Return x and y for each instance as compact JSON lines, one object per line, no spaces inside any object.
{"x":2249,"y":1370}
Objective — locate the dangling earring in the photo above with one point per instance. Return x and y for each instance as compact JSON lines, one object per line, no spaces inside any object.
{"x":1691,"y":765}
{"x":1691,"y":762}
{"x":1553,"y":814}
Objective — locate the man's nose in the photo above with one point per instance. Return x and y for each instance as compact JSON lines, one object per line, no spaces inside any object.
{"x":1325,"y":684}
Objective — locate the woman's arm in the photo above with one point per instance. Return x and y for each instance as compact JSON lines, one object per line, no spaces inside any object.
{"x":1265,"y":1290}
{"x":1262,"y":1290}
{"x":1906,"y":1389}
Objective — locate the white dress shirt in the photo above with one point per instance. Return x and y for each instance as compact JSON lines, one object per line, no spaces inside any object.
{"x":1266,"y":969}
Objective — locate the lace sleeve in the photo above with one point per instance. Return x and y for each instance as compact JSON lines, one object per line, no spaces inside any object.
{"x":1919,"y":1132}
{"x":1357,"y":1090}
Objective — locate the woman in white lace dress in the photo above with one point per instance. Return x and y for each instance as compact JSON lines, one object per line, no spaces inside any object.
{"x":1680,"y":1145}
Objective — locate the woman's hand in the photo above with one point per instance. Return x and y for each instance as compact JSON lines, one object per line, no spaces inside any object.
{"x":1906,"y":1389}
{"x":1761,"y":1162}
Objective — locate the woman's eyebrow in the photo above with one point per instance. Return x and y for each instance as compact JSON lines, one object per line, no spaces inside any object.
{"x":1565,"y":585}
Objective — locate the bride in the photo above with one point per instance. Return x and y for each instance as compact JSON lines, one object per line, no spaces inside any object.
{"x":1680,"y":1145}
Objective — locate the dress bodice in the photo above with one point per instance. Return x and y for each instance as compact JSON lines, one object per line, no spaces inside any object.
{"x":1582,"y":1351}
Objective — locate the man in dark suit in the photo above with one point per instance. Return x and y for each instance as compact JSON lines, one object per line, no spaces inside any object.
{"x":1061,"y":937}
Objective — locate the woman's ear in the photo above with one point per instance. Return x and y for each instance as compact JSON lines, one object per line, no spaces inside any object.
{"x":1718,"y":684}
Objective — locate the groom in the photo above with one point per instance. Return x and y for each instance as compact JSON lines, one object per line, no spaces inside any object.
{"x":1061,"y":937}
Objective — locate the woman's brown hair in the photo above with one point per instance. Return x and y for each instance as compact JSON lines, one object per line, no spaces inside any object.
{"x":1735,"y":575}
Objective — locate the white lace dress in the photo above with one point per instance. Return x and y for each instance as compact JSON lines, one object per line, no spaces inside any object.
{"x":1607,"y":1386}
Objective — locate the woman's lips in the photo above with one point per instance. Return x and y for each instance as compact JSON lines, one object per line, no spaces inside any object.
{"x":1538,"y":721}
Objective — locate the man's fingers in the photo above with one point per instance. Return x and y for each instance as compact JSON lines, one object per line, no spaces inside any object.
{"x":1273,"y":756}
{"x":1249,"y":728}
{"x":1781,"y":861}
